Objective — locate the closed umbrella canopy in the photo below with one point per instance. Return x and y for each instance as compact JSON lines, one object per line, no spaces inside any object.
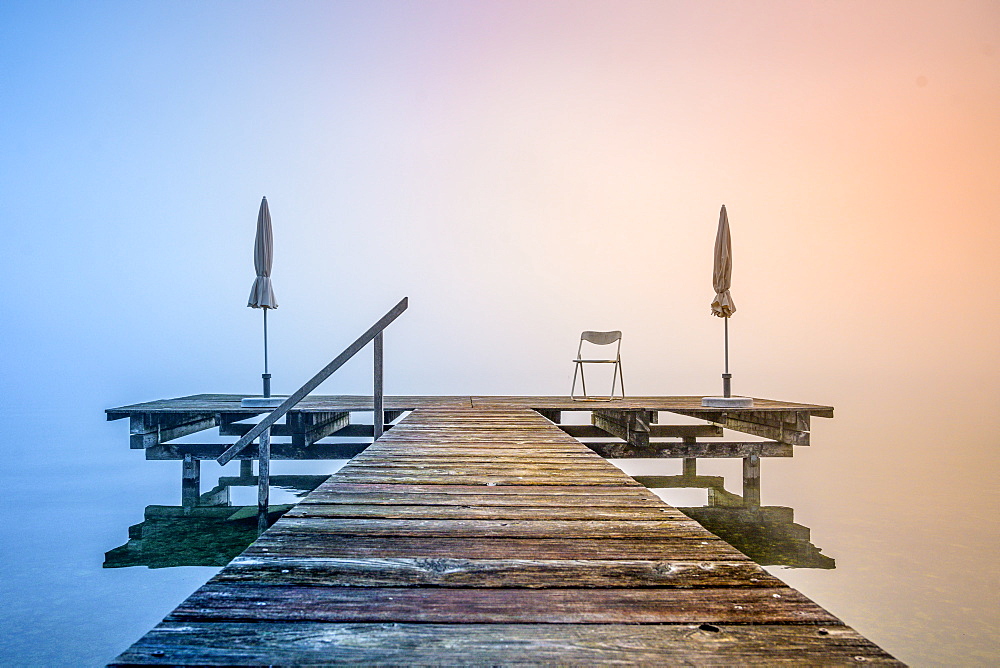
{"x":722,"y":276}
{"x":262,"y":294}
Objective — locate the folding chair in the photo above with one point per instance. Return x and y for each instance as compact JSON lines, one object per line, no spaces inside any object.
{"x":598,"y":339}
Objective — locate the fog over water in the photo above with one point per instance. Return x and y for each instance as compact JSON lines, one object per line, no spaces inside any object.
{"x":522,"y":171}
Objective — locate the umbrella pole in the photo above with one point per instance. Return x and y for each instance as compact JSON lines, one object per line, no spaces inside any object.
{"x":266,"y":376}
{"x":727,"y":378}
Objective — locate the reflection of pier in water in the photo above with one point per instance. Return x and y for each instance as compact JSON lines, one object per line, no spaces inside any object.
{"x":210,"y":533}
{"x":214,"y":531}
{"x":766,"y":534}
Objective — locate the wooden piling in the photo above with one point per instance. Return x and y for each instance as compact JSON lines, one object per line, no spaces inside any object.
{"x":263,"y":479}
{"x":190,"y":482}
{"x":751,"y":480}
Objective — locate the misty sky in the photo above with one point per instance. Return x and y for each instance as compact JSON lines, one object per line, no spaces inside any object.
{"x":521,"y":170}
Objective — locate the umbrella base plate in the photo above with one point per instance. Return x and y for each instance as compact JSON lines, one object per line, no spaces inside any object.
{"x":262,"y":402}
{"x":727,"y":402}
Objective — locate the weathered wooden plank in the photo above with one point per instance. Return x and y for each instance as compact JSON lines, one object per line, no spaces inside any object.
{"x":443,"y":512}
{"x":494,"y":573}
{"x":336,"y":485}
{"x":596,"y":468}
{"x":482,"y":447}
{"x":481,"y":444}
{"x":300,"y":644}
{"x":568,"y":462}
{"x":493,"y":528}
{"x":700,"y":449}
{"x":278,"y":603}
{"x":280,"y":540}
{"x":470,"y":457}
{"x":485,"y":500}
{"x":492,"y":479}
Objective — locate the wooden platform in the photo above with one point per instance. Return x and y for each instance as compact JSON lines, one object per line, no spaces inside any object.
{"x":230,"y":403}
{"x":489,"y":536}
{"x":632,"y":421}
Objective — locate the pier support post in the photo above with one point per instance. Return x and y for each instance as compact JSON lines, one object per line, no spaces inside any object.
{"x":263,"y":479}
{"x":190,"y":483}
{"x":246,"y":468}
{"x":751,"y":481}
{"x":379,"y":416}
{"x":690,"y":463}
{"x":690,"y":467}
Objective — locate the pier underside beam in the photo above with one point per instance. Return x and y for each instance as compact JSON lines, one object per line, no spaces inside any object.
{"x":629,"y":425}
{"x":791,"y":427}
{"x":148,"y":429}
{"x":741,"y":449}
{"x":655,"y":431}
{"x":200,"y":451}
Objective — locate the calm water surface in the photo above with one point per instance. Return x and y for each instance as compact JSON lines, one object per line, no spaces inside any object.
{"x":887,"y":520}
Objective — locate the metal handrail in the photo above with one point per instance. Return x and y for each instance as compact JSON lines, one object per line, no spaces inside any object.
{"x":313,"y":382}
{"x":262,"y":429}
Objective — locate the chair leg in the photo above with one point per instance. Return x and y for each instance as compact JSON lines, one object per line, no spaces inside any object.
{"x":583,"y":380}
{"x":572,"y":392}
{"x":618,"y":367}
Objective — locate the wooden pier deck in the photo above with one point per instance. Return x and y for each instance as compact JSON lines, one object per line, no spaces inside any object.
{"x":489,"y":536}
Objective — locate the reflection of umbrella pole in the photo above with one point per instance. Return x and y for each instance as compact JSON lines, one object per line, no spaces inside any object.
{"x":267,"y":377}
{"x":727,"y":378}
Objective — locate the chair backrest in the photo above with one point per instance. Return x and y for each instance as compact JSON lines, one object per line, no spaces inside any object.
{"x":601,"y":338}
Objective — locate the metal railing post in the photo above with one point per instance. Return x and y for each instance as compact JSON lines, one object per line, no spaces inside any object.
{"x":263,"y":479}
{"x":378,"y":401}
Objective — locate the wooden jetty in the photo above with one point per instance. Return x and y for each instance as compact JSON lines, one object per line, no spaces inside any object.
{"x":476,"y":531}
